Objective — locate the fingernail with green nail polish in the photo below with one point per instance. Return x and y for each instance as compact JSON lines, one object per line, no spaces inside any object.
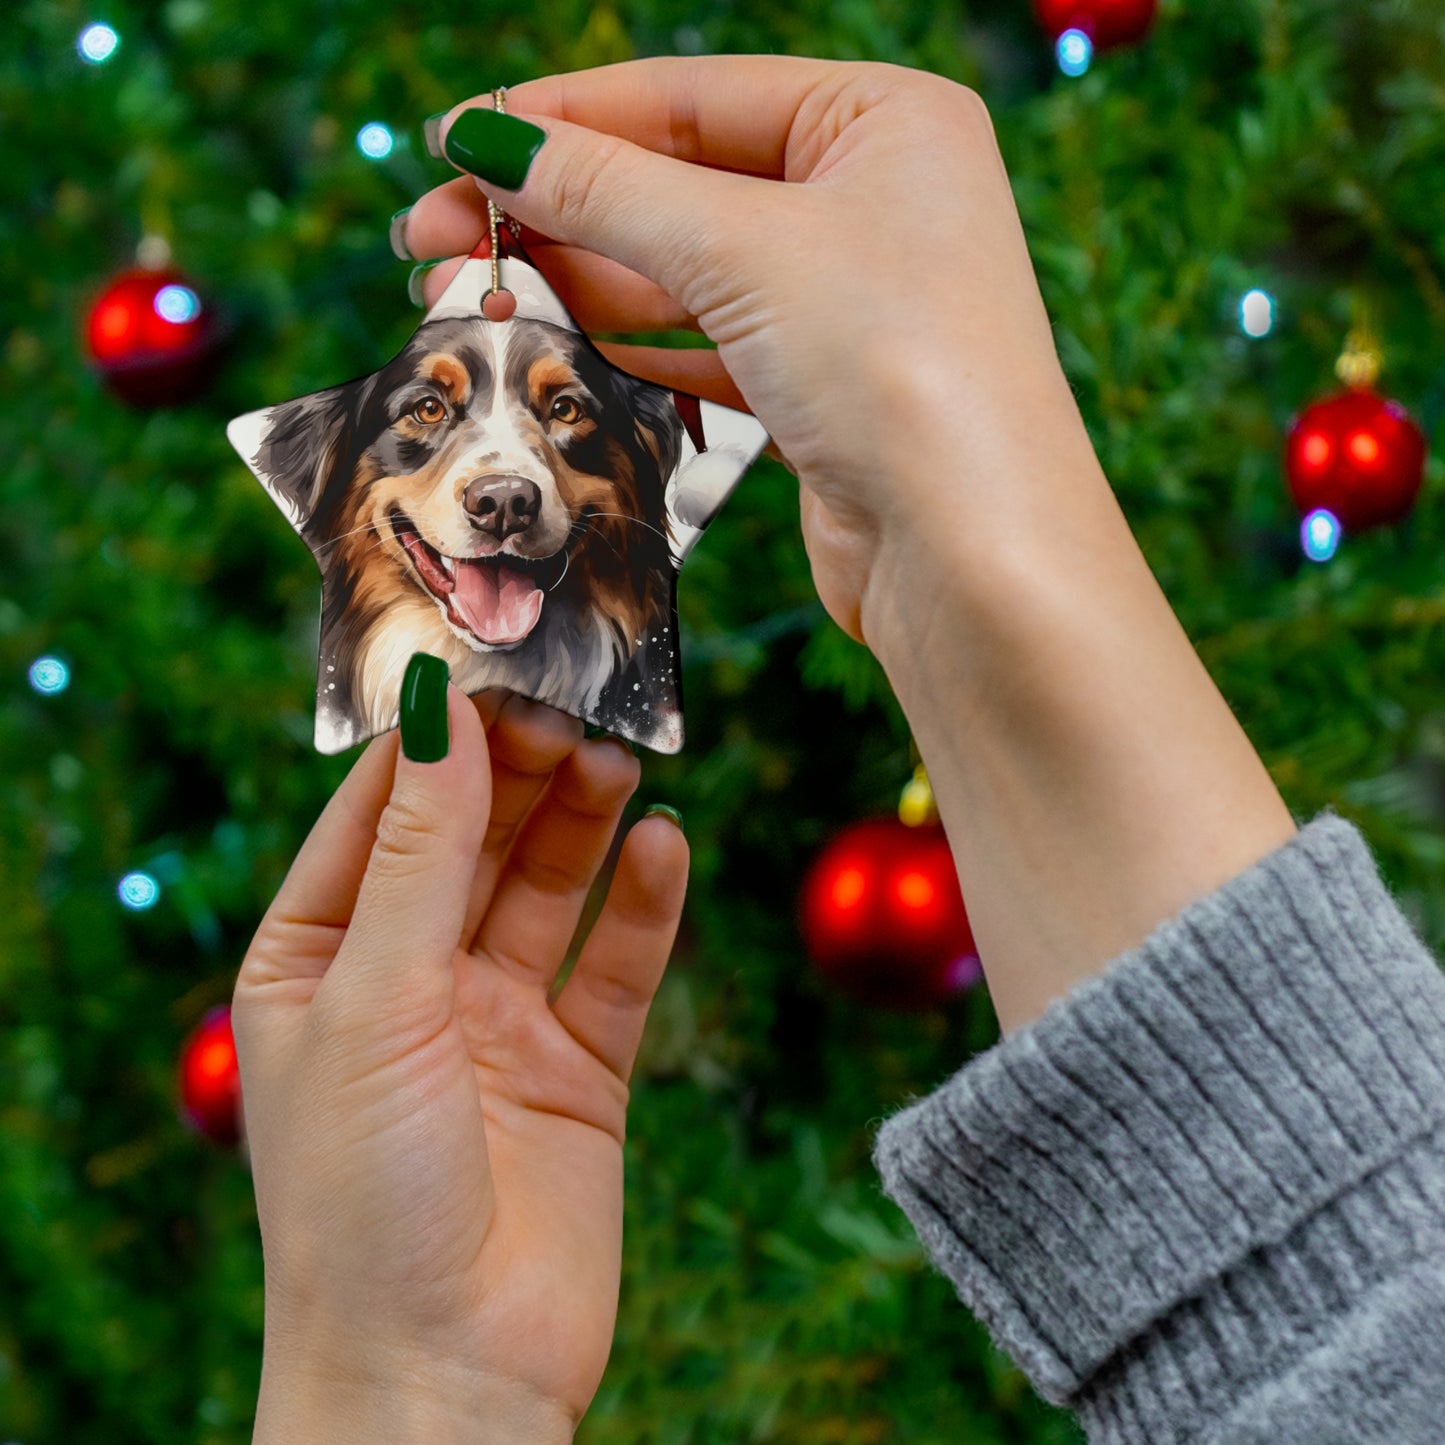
{"x":413,"y":283}
{"x":424,"y":734}
{"x":671,"y":814}
{"x":431,"y":133}
{"x":397,"y":235}
{"x":498,"y":148}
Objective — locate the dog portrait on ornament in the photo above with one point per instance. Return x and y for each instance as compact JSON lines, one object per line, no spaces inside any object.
{"x":501,"y":496}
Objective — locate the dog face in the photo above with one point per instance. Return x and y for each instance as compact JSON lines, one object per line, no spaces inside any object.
{"x":481,"y":466}
{"x":496,"y":496}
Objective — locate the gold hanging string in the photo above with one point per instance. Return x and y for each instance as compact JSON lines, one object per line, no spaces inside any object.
{"x":495,"y":216}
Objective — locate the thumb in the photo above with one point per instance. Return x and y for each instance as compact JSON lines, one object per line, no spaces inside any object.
{"x":397,"y":956}
{"x":673,"y":222}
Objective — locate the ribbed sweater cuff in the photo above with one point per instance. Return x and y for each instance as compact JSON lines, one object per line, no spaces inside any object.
{"x":1182,"y":1120}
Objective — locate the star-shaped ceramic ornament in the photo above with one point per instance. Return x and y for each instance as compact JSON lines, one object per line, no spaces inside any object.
{"x":502,"y":496}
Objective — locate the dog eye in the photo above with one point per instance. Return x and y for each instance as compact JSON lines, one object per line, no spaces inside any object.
{"x":565,"y":409}
{"x":429,"y":411}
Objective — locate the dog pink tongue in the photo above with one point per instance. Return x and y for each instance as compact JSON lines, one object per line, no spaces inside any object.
{"x":500,"y":604}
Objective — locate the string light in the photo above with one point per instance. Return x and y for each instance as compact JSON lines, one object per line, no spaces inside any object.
{"x":138,"y":891}
{"x":49,"y":675}
{"x":97,"y":44}
{"x":375,"y":141}
{"x":1320,"y":535}
{"x":1256,"y":313}
{"x":1075,"y":52}
{"x":177,"y":304}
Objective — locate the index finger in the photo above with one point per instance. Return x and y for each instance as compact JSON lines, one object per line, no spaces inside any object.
{"x":734,"y":112}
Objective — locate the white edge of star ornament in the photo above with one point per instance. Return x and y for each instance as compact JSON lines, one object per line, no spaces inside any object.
{"x":502,"y":496}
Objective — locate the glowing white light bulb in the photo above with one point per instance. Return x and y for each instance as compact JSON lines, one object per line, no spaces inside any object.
{"x":375,"y":140}
{"x":1075,"y":52}
{"x":1256,"y":313}
{"x":97,"y":44}
{"x":1320,"y":535}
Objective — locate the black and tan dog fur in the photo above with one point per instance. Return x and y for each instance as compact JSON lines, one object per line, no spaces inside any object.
{"x":513,"y":447}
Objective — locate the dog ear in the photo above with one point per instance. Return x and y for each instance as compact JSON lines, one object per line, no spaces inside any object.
{"x":295,"y":448}
{"x":659,"y":427}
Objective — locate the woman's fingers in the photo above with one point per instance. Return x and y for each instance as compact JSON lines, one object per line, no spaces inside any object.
{"x":738,"y":112}
{"x":527,"y":741}
{"x":599,"y":293}
{"x":605,"y":1000}
{"x":652,"y":214}
{"x":694,"y":369}
{"x":451,"y":220}
{"x":557,"y":853}
{"x":395,"y":963}
{"x":299,"y":934}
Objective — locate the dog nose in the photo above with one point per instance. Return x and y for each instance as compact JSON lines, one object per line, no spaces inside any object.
{"x":502,"y":505}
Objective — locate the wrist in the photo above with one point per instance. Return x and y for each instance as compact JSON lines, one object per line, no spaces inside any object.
{"x":407,"y":1400}
{"x":1092,"y":779}
{"x":999,"y":481}
{"x":970,"y":559}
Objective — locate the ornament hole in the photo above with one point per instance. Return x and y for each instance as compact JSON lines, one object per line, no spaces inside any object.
{"x":499,"y":305}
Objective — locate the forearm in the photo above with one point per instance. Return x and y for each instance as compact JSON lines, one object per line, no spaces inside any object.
{"x":1092,"y":779}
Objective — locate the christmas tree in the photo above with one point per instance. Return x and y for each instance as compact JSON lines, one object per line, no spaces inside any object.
{"x":158,"y":630}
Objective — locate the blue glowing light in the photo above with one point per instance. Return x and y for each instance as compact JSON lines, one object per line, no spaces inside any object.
{"x":49,"y":675}
{"x":138,"y":891}
{"x":1075,"y":52}
{"x":1256,"y":313}
{"x":177,"y":304}
{"x":1320,"y":535}
{"x":375,"y":140}
{"x":97,"y":44}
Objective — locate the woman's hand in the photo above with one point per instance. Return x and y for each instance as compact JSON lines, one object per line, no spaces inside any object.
{"x":880,"y":314}
{"x":848,"y":237}
{"x":437,"y":1148}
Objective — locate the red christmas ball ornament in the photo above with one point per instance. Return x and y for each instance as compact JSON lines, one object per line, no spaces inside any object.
{"x":210,"y":1081}
{"x":152,"y":338}
{"x":1359,"y":456}
{"x":1107,"y":23}
{"x":883,"y":917}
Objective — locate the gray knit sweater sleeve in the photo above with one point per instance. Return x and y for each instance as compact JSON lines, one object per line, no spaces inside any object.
{"x":1202,"y":1199}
